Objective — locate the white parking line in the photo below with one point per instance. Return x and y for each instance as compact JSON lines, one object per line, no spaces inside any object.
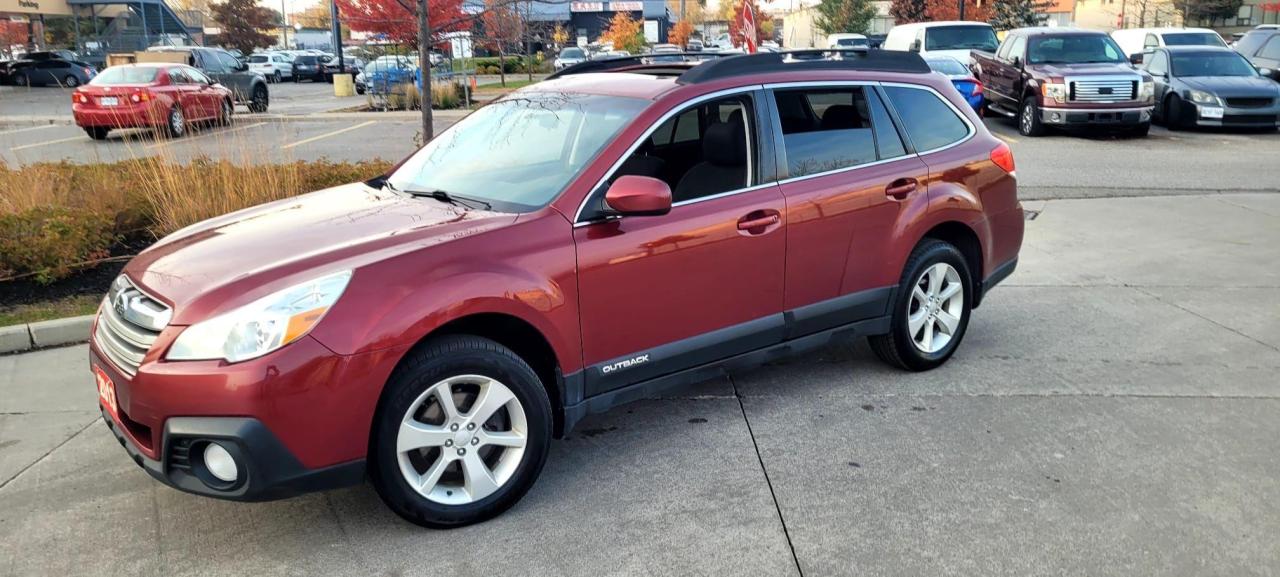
{"x":327,"y":135}
{"x":205,"y":135}
{"x":28,"y":129}
{"x":47,"y":143}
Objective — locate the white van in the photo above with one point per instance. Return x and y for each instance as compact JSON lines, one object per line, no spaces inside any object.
{"x":1136,"y":41}
{"x":846,"y":40}
{"x":954,"y":39}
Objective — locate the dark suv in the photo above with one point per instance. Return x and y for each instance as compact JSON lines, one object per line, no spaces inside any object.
{"x":249,"y":88}
{"x":616,"y":231}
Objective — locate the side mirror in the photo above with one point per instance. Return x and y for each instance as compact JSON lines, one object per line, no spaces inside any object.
{"x":915,"y":46}
{"x":1135,"y":58}
{"x":1268,"y":73}
{"x":638,"y":196}
{"x":1016,"y":62}
{"x":241,"y":67}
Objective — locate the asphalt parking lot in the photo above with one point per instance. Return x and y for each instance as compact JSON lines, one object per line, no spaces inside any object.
{"x":1112,"y":411}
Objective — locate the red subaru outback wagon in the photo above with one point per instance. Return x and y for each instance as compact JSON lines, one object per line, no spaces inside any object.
{"x":620,"y":229}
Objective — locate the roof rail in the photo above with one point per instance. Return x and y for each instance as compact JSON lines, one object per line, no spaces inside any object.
{"x":653,"y":58}
{"x":836,"y":59}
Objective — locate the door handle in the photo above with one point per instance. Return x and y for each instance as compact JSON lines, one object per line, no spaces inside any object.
{"x":901,"y":188}
{"x":749,"y":222}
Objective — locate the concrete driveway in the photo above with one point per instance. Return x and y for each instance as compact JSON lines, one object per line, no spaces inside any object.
{"x":1113,"y":411}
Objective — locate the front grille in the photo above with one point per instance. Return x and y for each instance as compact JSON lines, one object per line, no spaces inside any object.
{"x":1103,"y":90}
{"x":1249,"y":119}
{"x":129,"y":324}
{"x":1249,"y":102}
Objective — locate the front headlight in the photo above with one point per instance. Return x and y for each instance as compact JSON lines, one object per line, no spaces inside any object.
{"x":1146,"y":90}
{"x":1200,"y":97}
{"x":1057,"y":92}
{"x":261,"y":326}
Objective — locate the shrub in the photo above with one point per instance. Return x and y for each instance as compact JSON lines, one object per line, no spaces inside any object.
{"x":49,"y":242}
{"x":445,"y":95}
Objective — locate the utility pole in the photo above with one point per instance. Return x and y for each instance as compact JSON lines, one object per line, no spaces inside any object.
{"x":424,"y":68}
{"x":284,"y":19}
{"x":335,"y":28}
{"x":961,"y":9}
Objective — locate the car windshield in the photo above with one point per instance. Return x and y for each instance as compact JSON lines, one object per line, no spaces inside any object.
{"x":948,"y":66}
{"x":1215,"y":64}
{"x":1075,"y":49}
{"x":571,"y":53}
{"x":851,"y":42}
{"x":960,"y":38}
{"x":1193,"y":39}
{"x":125,"y":75}
{"x":519,"y":153}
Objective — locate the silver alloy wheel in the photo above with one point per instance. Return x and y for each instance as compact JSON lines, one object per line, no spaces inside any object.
{"x":226,"y":113}
{"x":177,"y":124}
{"x":72,"y":81}
{"x":935,"y":308}
{"x":1027,"y":117}
{"x":456,"y":458}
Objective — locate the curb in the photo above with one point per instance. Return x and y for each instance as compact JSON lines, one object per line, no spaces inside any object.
{"x":42,"y":334}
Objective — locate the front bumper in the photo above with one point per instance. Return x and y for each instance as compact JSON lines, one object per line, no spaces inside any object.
{"x":1232,"y":116}
{"x":1069,"y":117}
{"x":267,"y":470}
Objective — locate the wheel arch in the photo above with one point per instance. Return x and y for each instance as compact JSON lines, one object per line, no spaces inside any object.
{"x":966,"y":240}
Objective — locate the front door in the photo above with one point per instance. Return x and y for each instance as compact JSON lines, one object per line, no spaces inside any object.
{"x":659,"y":294}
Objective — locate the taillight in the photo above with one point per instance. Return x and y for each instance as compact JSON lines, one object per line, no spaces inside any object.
{"x":1002,"y":156}
{"x":977,"y":88}
{"x":88,"y":72}
{"x":140,"y":96}
{"x":77,"y":98}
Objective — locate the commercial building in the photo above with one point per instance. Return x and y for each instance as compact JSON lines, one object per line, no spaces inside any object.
{"x":585,"y":20}
{"x":100,"y":26}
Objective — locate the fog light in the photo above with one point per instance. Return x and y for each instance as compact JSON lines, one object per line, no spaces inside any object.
{"x":219,"y":463}
{"x":1057,"y":117}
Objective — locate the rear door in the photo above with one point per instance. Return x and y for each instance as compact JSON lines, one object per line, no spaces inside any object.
{"x":848,"y":179}
{"x":208,"y":98}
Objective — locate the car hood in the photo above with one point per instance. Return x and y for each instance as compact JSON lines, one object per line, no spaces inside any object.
{"x":1086,"y":69}
{"x":1232,"y":85}
{"x":233,"y":259}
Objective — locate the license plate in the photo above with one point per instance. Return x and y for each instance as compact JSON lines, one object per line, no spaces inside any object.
{"x":106,"y":390}
{"x":109,"y":101}
{"x":1211,"y":113}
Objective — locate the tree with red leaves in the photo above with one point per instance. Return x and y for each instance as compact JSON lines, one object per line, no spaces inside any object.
{"x":12,"y":34}
{"x":396,"y":20}
{"x":735,"y":24}
{"x":943,"y":10}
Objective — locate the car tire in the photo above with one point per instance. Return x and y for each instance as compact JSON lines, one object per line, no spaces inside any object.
{"x":21,"y":80}
{"x":276,"y":78}
{"x":71,"y":81}
{"x":1140,"y":131}
{"x":1029,"y":118}
{"x":225,"y":112}
{"x":1174,"y":116}
{"x":97,"y":132}
{"x":471,"y":369}
{"x":175,"y":123}
{"x":926,"y":307}
{"x":260,"y":99}
{"x":359,"y":89}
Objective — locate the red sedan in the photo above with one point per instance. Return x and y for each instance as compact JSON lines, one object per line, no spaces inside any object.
{"x":169,"y":97}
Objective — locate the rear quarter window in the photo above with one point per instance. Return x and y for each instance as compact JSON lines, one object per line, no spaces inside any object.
{"x":929,"y":122}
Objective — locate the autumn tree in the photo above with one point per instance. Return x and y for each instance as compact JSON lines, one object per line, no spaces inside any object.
{"x":1010,"y":14}
{"x":243,"y":25}
{"x":942,"y":10}
{"x":909,"y":11}
{"x":735,"y":23}
{"x":559,"y":36}
{"x":838,"y":16}
{"x":314,"y":16}
{"x":680,"y":33}
{"x":502,"y":27}
{"x":625,"y":32}
{"x":398,"y":21}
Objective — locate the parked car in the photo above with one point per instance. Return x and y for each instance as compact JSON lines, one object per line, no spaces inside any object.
{"x":385,"y":72}
{"x":954,"y":39}
{"x":349,"y":65}
{"x":847,"y":41}
{"x":274,"y":67}
{"x":1136,"y":42}
{"x":434,"y":328}
{"x":568,"y":57}
{"x":248,"y":87}
{"x":1208,"y":86}
{"x":1261,"y":46}
{"x":1064,"y":77}
{"x":41,"y":55}
{"x":167,"y":97}
{"x":50,"y":72}
{"x":308,"y":67}
{"x":693,"y":45}
{"x":961,"y":77}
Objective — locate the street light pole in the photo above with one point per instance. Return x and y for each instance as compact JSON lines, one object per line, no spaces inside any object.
{"x":424,"y":67}
{"x":284,"y":19}
{"x":961,"y":9}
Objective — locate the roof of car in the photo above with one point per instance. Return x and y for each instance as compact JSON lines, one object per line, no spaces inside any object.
{"x":1164,"y":30}
{"x":915,"y":25}
{"x":1056,"y":31}
{"x":626,"y":84}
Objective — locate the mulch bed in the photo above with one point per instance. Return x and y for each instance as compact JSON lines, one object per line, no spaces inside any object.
{"x":88,"y":281}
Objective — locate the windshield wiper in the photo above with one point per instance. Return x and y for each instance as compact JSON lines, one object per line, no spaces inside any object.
{"x":441,"y":196}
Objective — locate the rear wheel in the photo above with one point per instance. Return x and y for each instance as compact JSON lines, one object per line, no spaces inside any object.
{"x":97,"y":132}
{"x":21,"y":79}
{"x":71,"y":81}
{"x":930,"y":309}
{"x":461,"y":433}
{"x":224,"y":114}
{"x":1029,"y":118}
{"x":175,"y":124}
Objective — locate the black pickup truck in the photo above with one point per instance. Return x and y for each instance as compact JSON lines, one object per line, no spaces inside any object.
{"x":1066,"y":78}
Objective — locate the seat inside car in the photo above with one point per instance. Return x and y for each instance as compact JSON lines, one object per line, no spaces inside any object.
{"x":724,"y":161}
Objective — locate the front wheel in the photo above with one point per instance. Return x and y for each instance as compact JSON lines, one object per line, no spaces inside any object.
{"x":461,"y":433}
{"x":1029,"y":118}
{"x":224,"y":114}
{"x":930,"y":309}
{"x":259,"y":101}
{"x":1175,"y":114}
{"x":1140,"y":131}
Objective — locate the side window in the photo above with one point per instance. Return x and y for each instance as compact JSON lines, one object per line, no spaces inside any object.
{"x":196,"y":76}
{"x":177,"y":76}
{"x":888,"y":143}
{"x":826,"y":129}
{"x":1159,"y":64}
{"x":1003,"y":52}
{"x":228,"y":61}
{"x":208,"y":61}
{"x":705,"y":150}
{"x":1019,"y":49}
{"x":929,"y":122}
{"x":1272,"y":49}
{"x":1151,"y":42}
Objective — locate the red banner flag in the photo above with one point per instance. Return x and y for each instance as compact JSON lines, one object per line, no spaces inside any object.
{"x":748,"y":23}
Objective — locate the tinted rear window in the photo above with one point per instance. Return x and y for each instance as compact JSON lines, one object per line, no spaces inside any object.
{"x":930,"y":123}
{"x":126,"y":75}
{"x":831,"y":129}
{"x":1193,"y":39}
{"x":571,"y":53}
{"x":258,"y":59}
{"x":960,"y":38}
